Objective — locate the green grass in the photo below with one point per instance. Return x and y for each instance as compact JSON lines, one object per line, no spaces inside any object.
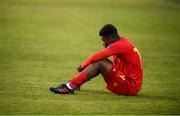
{"x":43,"y":41}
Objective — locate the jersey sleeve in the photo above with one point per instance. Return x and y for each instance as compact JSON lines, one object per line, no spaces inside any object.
{"x":98,"y":56}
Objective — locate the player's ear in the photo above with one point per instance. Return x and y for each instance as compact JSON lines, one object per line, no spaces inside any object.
{"x":111,"y":39}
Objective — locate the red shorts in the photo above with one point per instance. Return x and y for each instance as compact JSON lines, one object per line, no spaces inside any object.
{"x":119,"y":84}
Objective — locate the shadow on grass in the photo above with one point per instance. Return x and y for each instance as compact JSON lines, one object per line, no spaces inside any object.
{"x":140,"y":96}
{"x":93,"y":92}
{"x":157,"y":97}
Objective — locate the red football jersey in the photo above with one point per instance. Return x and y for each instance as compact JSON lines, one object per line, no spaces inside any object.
{"x":126,"y":59}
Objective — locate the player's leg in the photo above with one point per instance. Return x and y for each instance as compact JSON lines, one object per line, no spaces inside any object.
{"x":103,"y":66}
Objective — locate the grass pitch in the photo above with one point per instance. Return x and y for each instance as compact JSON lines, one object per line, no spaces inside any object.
{"x":43,"y":41}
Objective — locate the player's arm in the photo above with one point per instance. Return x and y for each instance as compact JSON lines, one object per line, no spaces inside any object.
{"x":95,"y":57}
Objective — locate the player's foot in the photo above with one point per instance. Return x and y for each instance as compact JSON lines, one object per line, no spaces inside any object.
{"x":62,"y":89}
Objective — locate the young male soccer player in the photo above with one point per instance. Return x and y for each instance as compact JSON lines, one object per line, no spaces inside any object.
{"x":123,"y":75}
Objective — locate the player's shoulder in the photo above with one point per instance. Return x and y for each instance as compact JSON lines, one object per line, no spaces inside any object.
{"x":125,"y":41}
{"x":121,"y":41}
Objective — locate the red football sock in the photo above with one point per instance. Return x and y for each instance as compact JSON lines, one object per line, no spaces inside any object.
{"x":78,"y":80}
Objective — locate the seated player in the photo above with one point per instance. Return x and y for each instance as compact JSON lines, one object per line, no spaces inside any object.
{"x":123,"y":75}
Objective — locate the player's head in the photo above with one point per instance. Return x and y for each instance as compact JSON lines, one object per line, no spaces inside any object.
{"x":109,"y":34}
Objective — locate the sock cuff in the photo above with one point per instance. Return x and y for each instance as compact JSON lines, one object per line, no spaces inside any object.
{"x":68,"y":85}
{"x":79,"y":79}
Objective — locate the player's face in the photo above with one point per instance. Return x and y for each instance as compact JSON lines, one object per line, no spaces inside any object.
{"x":106,"y":41}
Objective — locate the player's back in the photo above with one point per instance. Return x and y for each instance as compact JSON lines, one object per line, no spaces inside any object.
{"x":127,"y":60}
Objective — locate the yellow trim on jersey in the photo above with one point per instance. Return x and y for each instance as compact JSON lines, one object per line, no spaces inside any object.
{"x":136,"y":50}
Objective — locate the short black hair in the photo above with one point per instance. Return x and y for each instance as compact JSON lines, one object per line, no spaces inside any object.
{"x":109,"y":30}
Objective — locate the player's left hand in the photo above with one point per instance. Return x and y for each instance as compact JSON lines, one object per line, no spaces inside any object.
{"x":80,"y":68}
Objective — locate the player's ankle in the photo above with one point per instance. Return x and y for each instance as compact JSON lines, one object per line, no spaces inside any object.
{"x":71,"y":85}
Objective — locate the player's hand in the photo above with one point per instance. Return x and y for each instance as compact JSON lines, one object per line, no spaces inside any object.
{"x":80,"y":68}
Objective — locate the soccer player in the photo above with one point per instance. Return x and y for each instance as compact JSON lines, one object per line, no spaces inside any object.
{"x":123,"y":75}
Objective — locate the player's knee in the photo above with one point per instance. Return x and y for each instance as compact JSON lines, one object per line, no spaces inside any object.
{"x":100,"y":63}
{"x":97,"y":63}
{"x":103,"y":61}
